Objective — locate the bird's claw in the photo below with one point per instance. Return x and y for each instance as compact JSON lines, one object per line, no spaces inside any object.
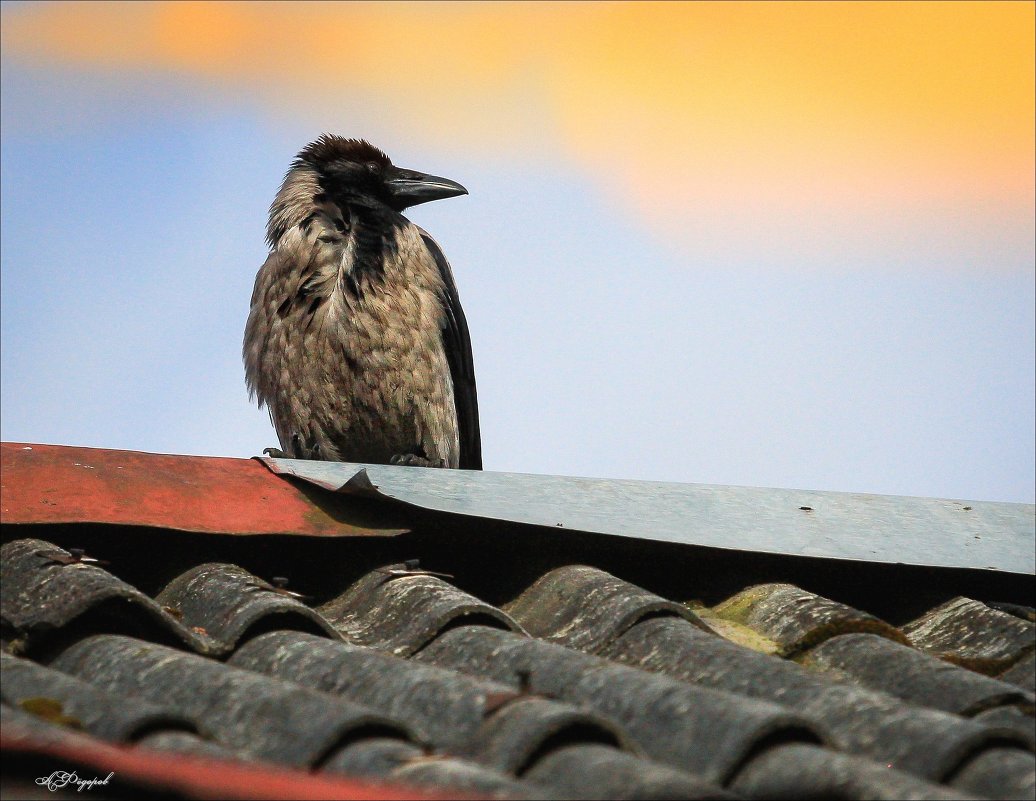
{"x":299,"y":450}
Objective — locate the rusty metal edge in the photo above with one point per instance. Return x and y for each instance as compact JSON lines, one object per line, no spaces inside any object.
{"x":60,"y":484}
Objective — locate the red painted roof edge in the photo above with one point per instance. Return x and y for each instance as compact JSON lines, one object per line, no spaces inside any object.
{"x":67,"y":484}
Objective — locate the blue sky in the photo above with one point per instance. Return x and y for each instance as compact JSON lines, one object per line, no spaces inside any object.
{"x":133,"y":213}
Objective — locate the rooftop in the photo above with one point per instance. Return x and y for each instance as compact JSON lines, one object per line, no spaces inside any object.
{"x":332,"y":630}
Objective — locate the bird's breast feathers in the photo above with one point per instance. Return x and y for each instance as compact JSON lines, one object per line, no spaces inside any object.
{"x":315,"y":284}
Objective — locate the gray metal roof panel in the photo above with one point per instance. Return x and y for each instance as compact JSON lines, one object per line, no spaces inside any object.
{"x":838,"y":525}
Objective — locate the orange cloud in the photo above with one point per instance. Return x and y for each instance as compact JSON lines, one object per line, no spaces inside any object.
{"x":704,"y":114}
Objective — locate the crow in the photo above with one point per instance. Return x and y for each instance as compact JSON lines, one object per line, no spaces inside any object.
{"x":356,"y":341}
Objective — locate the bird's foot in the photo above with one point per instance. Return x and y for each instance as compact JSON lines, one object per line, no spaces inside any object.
{"x":302,"y":450}
{"x":299,"y":450}
{"x":414,"y":460}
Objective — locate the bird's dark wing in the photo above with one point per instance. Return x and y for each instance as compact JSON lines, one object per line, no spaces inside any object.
{"x":457,"y":342}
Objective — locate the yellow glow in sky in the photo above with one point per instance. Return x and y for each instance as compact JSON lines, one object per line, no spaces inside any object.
{"x":684,"y":107}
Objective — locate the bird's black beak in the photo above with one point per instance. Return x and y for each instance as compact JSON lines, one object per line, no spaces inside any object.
{"x":408,"y":187}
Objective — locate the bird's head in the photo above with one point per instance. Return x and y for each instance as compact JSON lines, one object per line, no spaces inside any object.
{"x":354,"y":168}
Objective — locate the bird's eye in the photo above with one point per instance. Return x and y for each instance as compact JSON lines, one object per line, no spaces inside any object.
{"x":373,"y":167}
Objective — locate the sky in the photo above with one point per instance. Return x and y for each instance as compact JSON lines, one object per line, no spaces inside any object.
{"x":762,"y":244}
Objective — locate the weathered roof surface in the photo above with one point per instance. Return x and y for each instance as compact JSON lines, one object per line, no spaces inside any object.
{"x":650,"y":702}
{"x":235,"y":496}
{"x":837,"y":525}
{"x":42,"y":484}
{"x":521,"y":663}
{"x":32,"y":748}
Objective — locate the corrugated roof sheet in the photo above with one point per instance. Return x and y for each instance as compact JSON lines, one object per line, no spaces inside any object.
{"x":506,"y":671}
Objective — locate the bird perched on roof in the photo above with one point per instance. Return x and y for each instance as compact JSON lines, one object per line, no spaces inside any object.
{"x":356,"y":340}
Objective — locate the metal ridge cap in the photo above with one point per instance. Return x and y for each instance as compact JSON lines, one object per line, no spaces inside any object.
{"x":69,"y":484}
{"x":934,"y":532}
{"x":59,"y":484}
